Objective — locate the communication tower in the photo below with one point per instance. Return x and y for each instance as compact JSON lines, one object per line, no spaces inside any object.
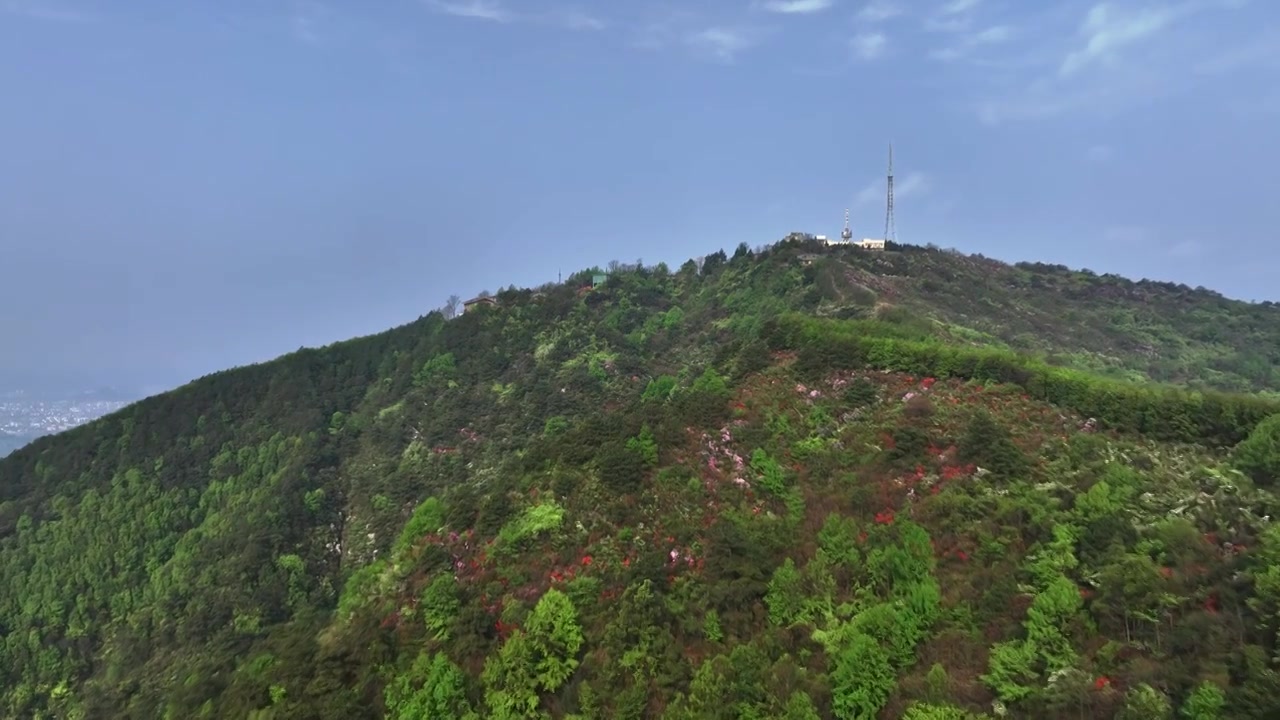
{"x":890,"y":231}
{"x":846,"y":234}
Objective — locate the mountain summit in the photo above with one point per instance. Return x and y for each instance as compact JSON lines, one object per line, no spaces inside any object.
{"x":801,"y":482}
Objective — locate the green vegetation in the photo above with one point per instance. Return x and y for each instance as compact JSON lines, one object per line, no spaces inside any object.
{"x":904,"y":484}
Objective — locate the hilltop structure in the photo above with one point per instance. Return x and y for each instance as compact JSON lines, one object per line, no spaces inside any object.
{"x":846,"y":234}
{"x":476,"y":302}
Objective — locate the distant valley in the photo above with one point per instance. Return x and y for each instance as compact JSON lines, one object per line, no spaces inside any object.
{"x":25,"y":416}
{"x":9,"y":443}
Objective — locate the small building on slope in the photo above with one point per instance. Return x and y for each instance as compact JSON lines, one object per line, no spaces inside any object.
{"x":477,"y":302}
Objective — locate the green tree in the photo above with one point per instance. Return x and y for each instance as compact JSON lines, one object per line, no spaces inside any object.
{"x":937,"y":683}
{"x":800,"y":707}
{"x":785,"y":597}
{"x":1048,"y":618}
{"x":511,"y":680}
{"x":1143,"y":702}
{"x":645,"y":446}
{"x":940,"y":711}
{"x":555,"y":637}
{"x":1258,"y":455}
{"x":1205,"y":702}
{"x":432,"y":688}
{"x":1010,"y":672}
{"x":440,"y":606}
{"x":989,"y":445}
{"x":862,"y":679}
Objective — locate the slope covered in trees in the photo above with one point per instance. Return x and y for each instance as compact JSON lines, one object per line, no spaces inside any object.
{"x":1103,"y":323}
{"x":762,"y":487}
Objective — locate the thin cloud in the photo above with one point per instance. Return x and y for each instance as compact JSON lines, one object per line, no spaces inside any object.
{"x":723,"y":43}
{"x":488,"y":10}
{"x":990,"y":36}
{"x":879,"y":11}
{"x":304,"y":29}
{"x":305,"y":21}
{"x":1261,"y":52}
{"x":575,"y":20}
{"x":954,"y":16}
{"x":875,"y":192}
{"x":1042,"y":99}
{"x":869,"y":46}
{"x":43,"y":10}
{"x":1100,"y":153}
{"x":798,"y":7}
{"x":912,"y":185}
{"x":1118,"y":59}
{"x":1107,"y":31}
{"x":956,"y":7}
{"x":494,"y":11}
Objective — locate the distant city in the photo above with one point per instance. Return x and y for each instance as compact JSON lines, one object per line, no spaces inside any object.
{"x":25,"y":417}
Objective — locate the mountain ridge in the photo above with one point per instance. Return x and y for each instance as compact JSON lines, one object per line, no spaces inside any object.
{"x":283,"y":532}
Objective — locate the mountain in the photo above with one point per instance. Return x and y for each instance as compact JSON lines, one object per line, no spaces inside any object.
{"x":803,"y":482}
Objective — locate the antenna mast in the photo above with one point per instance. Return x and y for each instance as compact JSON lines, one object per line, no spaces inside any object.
{"x":890,"y":230}
{"x":846,"y":233}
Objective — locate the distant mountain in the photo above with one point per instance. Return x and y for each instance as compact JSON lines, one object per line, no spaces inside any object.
{"x":9,"y":443}
{"x":104,"y":394}
{"x":109,"y":394}
{"x":807,"y":482}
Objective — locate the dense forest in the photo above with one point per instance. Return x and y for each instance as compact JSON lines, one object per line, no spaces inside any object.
{"x":796,"y":482}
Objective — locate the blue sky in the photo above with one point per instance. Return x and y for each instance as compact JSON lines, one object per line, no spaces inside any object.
{"x":190,"y":186}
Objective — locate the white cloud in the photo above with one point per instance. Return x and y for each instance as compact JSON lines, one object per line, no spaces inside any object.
{"x":722,"y":42}
{"x":798,"y":7}
{"x":489,"y":10}
{"x":869,"y":46}
{"x":1107,"y":31}
{"x":879,"y":10}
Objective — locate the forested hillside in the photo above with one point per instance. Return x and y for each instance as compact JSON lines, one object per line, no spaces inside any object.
{"x":1103,"y":323}
{"x":796,"y":483}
